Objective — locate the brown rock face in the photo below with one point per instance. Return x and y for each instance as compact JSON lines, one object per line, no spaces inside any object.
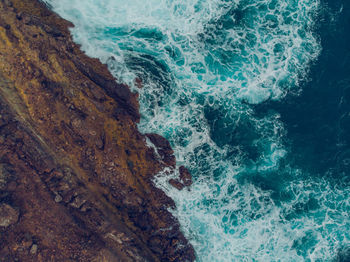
{"x":75,"y":173}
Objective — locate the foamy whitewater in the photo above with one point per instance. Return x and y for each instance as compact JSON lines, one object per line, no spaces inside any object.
{"x":205,"y":65}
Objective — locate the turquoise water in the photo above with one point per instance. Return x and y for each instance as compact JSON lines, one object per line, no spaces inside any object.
{"x":255,"y":102}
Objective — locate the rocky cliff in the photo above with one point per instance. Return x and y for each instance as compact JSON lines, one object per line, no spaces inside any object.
{"x":75,"y":173}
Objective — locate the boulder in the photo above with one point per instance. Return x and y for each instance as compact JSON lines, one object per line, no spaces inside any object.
{"x":8,"y":215}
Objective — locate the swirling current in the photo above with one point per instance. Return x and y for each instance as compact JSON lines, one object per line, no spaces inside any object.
{"x":254,"y":97}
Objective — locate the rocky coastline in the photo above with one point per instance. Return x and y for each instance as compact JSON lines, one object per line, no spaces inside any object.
{"x":75,"y":172}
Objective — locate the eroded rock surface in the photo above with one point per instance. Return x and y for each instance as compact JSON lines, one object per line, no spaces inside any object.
{"x":76,"y":175}
{"x":8,"y":215}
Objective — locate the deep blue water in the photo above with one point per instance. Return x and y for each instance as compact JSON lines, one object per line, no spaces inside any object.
{"x":254,"y":96}
{"x":318,"y":120}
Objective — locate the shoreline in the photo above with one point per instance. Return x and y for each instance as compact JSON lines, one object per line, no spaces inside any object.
{"x":79,"y":173}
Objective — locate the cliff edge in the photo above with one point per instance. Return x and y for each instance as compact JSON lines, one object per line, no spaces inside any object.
{"x":75,"y":173}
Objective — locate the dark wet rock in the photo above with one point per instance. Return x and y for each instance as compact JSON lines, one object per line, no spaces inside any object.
{"x":164,"y":149}
{"x":185,"y":176}
{"x":176,"y":183}
{"x":185,"y":179}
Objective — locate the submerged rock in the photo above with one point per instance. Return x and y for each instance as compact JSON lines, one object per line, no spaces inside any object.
{"x":185,"y":179}
{"x":185,"y":176}
{"x":176,"y":183}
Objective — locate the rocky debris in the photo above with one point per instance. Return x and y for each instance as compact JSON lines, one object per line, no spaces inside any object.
{"x":185,"y":179}
{"x":164,"y":149}
{"x":71,"y":157}
{"x":33,"y":249}
{"x":3,"y":177}
{"x":176,"y":183}
{"x":185,"y":176}
{"x":138,"y":83}
{"x":58,"y":198}
{"x":8,"y":215}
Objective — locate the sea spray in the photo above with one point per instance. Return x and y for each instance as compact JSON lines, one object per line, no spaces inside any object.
{"x":204,"y":65}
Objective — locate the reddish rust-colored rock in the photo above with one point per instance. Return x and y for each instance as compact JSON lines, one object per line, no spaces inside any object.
{"x":76,"y":174}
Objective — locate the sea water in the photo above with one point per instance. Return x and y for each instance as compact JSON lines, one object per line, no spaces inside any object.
{"x":254,"y":97}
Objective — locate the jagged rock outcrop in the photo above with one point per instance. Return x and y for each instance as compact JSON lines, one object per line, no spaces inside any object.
{"x":75,"y":173}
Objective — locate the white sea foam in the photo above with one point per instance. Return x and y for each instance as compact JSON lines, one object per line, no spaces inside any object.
{"x":195,"y":60}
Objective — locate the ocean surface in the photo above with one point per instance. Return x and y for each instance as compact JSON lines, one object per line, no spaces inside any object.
{"x":254,"y":96}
